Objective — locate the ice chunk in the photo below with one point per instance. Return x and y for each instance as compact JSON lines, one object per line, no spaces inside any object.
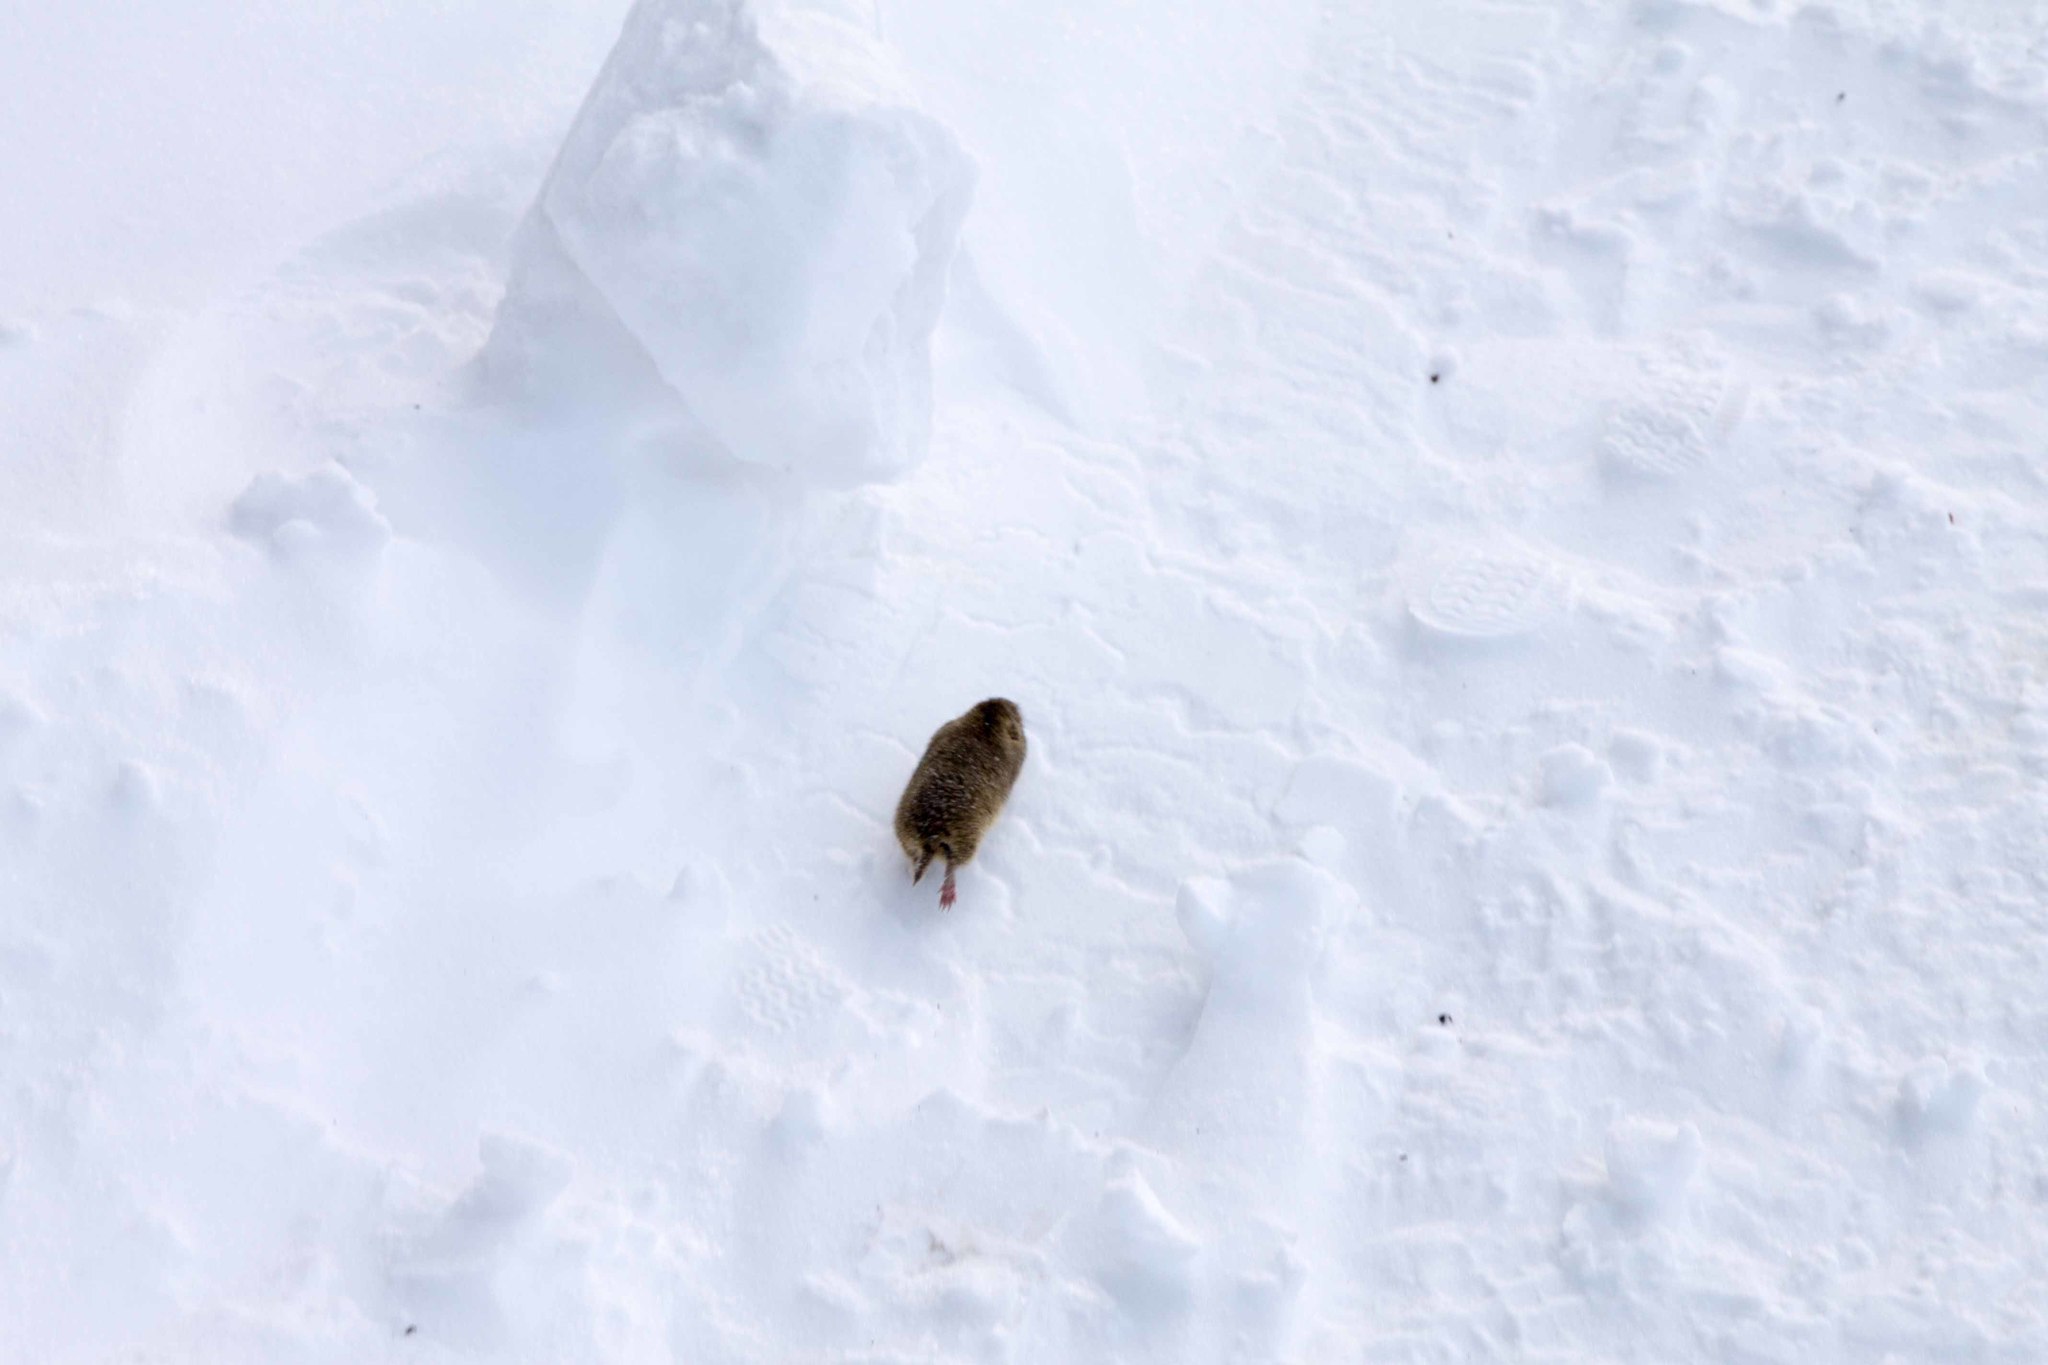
{"x":756,"y":209}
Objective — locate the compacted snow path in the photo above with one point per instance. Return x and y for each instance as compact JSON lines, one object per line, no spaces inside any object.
{"x":1520,"y":535}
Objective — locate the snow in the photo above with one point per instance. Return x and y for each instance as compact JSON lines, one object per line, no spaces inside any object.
{"x":775,"y":247}
{"x":1516,"y":529}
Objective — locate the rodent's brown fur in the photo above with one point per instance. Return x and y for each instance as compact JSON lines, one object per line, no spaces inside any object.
{"x":960,"y":786}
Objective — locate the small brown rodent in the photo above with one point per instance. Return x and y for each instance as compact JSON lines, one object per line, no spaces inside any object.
{"x":959,"y":788}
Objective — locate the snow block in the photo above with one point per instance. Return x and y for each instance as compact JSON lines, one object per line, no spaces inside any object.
{"x":750,"y":202}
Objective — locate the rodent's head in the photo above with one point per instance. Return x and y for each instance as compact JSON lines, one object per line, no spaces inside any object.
{"x":1000,"y":716}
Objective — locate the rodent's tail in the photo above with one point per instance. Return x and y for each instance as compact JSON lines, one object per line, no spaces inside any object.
{"x":931,"y":851}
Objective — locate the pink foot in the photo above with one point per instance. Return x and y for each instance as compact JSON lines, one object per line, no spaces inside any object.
{"x":946,"y":893}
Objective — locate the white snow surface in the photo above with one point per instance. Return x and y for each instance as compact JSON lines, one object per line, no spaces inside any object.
{"x":1519,"y":529}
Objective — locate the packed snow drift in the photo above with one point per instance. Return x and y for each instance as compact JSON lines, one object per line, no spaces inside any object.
{"x":1518,"y":529}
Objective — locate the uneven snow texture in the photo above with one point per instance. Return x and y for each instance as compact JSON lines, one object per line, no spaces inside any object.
{"x":1519,"y":529}
{"x":775,"y":241}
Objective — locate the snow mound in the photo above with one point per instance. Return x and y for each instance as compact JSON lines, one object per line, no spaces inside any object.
{"x":459,"y":1275}
{"x":293,"y":513}
{"x":755,"y":208}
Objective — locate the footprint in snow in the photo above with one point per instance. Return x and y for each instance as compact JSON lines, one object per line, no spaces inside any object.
{"x":1671,"y":425}
{"x":787,"y":984}
{"x":1473,"y":590}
